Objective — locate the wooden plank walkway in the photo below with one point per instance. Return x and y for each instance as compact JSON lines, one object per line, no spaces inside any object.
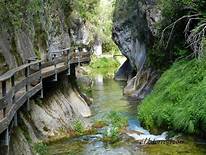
{"x":17,"y":90}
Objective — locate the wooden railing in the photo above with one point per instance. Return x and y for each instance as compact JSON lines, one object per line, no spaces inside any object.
{"x":20,"y":84}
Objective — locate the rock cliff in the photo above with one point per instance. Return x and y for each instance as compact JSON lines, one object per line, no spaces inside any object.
{"x":34,"y":29}
{"x":52,"y":28}
{"x":134,"y":31}
{"x":51,"y":117}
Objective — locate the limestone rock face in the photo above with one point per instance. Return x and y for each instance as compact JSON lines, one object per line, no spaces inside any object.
{"x":54,"y":30}
{"x":19,"y":144}
{"x":134,"y":32}
{"x":5,"y":48}
{"x":52,"y":117}
{"x":59,"y":110}
{"x":24,"y":46}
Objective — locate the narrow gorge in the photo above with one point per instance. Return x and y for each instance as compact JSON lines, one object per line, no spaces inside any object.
{"x":102,"y":77}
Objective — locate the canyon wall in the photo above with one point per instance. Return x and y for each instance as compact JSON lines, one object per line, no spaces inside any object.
{"x":50,"y":118}
{"x":134,"y":32}
{"x":53,"y":27}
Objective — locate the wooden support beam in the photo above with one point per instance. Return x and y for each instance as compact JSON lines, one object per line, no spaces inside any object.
{"x":42,"y":93}
{"x":41,"y":81}
{"x":3,"y":88}
{"x":4,"y":142}
{"x":4,"y":94}
{"x":78,"y":56}
{"x":27,"y":73}
{"x":6,"y":137}
{"x":68,"y":63}
{"x":28,"y":107}
{"x":55,"y":68}
{"x":13,"y":85}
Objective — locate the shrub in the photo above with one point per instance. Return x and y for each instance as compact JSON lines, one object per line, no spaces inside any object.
{"x":117,"y":120}
{"x":79,"y":128}
{"x":111,"y":134}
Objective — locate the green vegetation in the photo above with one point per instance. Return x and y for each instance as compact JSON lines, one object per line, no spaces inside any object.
{"x":79,"y":128}
{"x":105,"y":66}
{"x":180,"y":31}
{"x":116,"y":122}
{"x":99,"y":124}
{"x":87,"y":9}
{"x":40,"y":148}
{"x":178,"y":100}
{"x":111,"y":135}
{"x":104,"y":26}
{"x":14,"y":12}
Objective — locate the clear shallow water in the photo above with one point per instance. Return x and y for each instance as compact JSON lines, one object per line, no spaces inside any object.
{"x":107,"y":95}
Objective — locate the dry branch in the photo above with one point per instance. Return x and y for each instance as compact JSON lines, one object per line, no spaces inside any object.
{"x":194,"y":36}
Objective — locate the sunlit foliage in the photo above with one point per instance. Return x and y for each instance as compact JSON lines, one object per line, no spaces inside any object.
{"x":178,"y":100}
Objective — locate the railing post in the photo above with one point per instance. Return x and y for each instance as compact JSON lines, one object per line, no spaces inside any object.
{"x":4,"y":94}
{"x":41,"y":79}
{"x":12,"y":85}
{"x":7,"y":137}
{"x":78,"y":57}
{"x":27,"y":73}
{"x":4,"y":142}
{"x":68,"y":62}
{"x":55,"y":67}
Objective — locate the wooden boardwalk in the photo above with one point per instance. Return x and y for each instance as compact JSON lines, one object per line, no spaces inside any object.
{"x":20,"y":84}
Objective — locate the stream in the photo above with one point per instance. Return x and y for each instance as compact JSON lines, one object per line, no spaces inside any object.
{"x":107,"y":96}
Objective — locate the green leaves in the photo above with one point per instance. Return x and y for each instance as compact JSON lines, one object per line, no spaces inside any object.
{"x":79,"y":128}
{"x":14,"y":13}
{"x":40,"y":148}
{"x":87,"y":9}
{"x":178,"y":100}
{"x":117,"y":120}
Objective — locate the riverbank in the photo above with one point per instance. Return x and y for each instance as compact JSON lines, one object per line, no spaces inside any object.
{"x":107,"y":95}
{"x":178,"y":100}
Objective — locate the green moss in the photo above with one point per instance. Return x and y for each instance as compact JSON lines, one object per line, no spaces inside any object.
{"x":26,"y":132}
{"x":38,"y":54}
{"x":40,"y":148}
{"x":178,"y":101}
{"x":39,"y":102}
{"x":99,"y":124}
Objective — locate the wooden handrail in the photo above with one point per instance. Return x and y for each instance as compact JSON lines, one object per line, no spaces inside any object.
{"x":12,"y":97}
{"x":6,"y":76}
